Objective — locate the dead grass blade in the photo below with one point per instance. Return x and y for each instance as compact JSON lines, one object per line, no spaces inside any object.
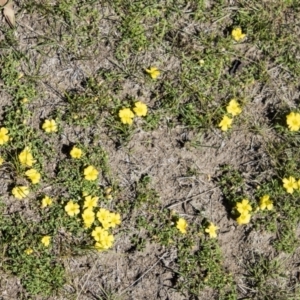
{"x":8,"y":12}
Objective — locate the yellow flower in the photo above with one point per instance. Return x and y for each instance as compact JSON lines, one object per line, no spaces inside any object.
{"x":108,"y":190}
{"x":225,"y":124}
{"x":153,"y":72}
{"x":20,"y":192}
{"x":237,"y":34}
{"x":90,"y":173}
{"x":293,"y":121}
{"x":26,"y":158}
{"x":1,"y":160}
{"x":181,"y":225}
{"x":76,"y":152}
{"x":115,"y":219}
{"x":126,"y":116}
{"x":24,"y":100}
{"x":90,"y":202}
{"x":72,"y":209}
{"x":211,"y":230}
{"x":33,"y":175}
{"x":88,"y":217}
{"x":290,"y":184}
{"x":265,"y":203}
{"x":104,"y":217}
{"x":97,"y":233}
{"x":140,"y":109}
{"x":243,"y":219}
{"x":243,"y":207}
{"x":49,"y":126}
{"x":4,"y":138}
{"x":46,"y":240}
{"x":28,"y":251}
{"x":233,"y":108}
{"x":106,"y":241}
{"x":46,"y":201}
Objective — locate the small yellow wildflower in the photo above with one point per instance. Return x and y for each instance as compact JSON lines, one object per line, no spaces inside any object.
{"x":90,"y":173}
{"x":126,"y":116}
{"x":265,"y":203}
{"x":50,"y":126}
{"x":293,"y":121}
{"x":104,"y":218}
{"x":181,"y":225}
{"x":20,"y":192}
{"x":46,"y":240}
{"x":28,"y":251}
{"x":26,"y":158}
{"x":88,"y":217}
{"x":140,"y":109}
{"x":4,"y":137}
{"x":243,"y":219}
{"x":237,"y":34}
{"x":76,"y":152}
{"x":225,"y":124}
{"x":1,"y":160}
{"x":106,"y":241}
{"x":153,"y":72}
{"x":72,"y":208}
{"x":24,"y":100}
{"x":90,"y":202}
{"x":46,"y":201}
{"x":115,"y":219}
{"x":233,"y":108}
{"x":243,"y":207}
{"x":211,"y":230}
{"x":33,"y":175}
{"x":97,"y":233}
{"x":298,"y":184}
{"x":108,"y":190}
{"x":290,"y":184}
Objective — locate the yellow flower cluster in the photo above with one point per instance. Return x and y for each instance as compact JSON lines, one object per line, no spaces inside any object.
{"x":291,"y":184}
{"x":233,"y":108}
{"x":103,"y":239}
{"x":105,"y":218}
{"x":244,"y":208}
{"x":126,"y":114}
{"x":26,"y":160}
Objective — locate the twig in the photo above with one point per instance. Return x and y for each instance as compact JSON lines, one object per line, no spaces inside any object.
{"x":88,"y":277}
{"x":146,"y":272}
{"x":189,"y":199}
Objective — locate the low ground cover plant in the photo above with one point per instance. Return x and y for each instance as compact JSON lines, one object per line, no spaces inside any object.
{"x":90,"y":80}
